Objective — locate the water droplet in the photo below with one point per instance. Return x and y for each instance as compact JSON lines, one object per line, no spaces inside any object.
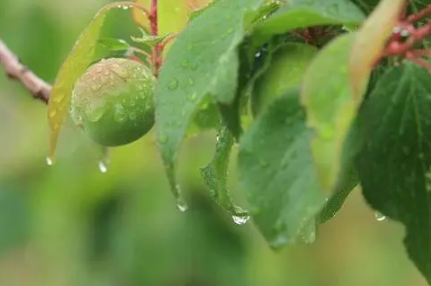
{"x":240,"y":220}
{"x":185,"y":63}
{"x":191,"y":82}
{"x":49,"y":161}
{"x":379,"y":216}
{"x":52,"y":113}
{"x":125,"y":7}
{"x":332,"y":9}
{"x":182,"y":205}
{"x":396,"y":30}
{"x":189,"y":47}
{"x":58,"y":98}
{"x":95,"y":110}
{"x":103,"y":167}
{"x":257,"y":54}
{"x":132,"y":116}
{"x":163,"y":139}
{"x":119,"y":113}
{"x":193,"y":97}
{"x":173,"y":84}
{"x":230,"y":31}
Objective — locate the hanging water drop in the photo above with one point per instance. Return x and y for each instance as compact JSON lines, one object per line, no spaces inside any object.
{"x":379,"y":216}
{"x":49,"y":161}
{"x":182,"y":205}
{"x":240,"y":219}
{"x":104,"y":160}
{"x":103,"y":167}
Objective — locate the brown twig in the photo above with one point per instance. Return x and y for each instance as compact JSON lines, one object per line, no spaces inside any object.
{"x":15,"y":70}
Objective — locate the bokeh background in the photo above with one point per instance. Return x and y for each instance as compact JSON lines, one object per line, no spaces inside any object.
{"x":71,"y":225}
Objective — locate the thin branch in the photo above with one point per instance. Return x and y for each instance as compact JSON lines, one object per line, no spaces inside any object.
{"x":419,"y":15}
{"x":17,"y":71}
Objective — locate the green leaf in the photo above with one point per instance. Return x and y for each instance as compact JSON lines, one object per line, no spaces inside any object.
{"x":202,"y":62}
{"x":73,"y":67}
{"x":114,"y":44}
{"x":149,"y":40}
{"x":346,"y":185}
{"x":395,"y":163}
{"x":215,"y":174}
{"x":299,"y":14}
{"x":348,"y":177}
{"x":331,"y":107}
{"x":287,"y":67}
{"x":276,"y":171}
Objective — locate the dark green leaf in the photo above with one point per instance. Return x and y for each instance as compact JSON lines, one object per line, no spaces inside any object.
{"x":201,"y":62}
{"x":299,"y":14}
{"x":215,"y":174}
{"x":394,"y":164}
{"x":276,"y":171}
{"x":348,"y":178}
{"x":345,"y":186}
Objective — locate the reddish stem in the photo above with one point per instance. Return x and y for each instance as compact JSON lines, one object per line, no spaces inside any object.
{"x":157,"y":50}
{"x":419,"y":15}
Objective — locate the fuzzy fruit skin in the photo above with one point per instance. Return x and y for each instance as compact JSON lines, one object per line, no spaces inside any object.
{"x":288,"y":66}
{"x":113,"y":101}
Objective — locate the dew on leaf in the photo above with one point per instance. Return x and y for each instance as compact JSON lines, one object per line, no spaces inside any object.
{"x":332,"y":9}
{"x":379,"y":216}
{"x":163,"y":139}
{"x":193,"y":97}
{"x":191,"y":82}
{"x":240,"y":220}
{"x":185,"y":63}
{"x":52,"y":113}
{"x":173,"y":84}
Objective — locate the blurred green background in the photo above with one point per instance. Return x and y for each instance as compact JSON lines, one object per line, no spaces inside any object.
{"x":70,"y":224}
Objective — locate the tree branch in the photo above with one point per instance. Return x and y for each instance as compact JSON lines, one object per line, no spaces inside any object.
{"x":17,"y":71}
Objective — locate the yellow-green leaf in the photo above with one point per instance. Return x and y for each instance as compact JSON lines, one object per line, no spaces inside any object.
{"x":327,"y":96}
{"x":370,"y":41}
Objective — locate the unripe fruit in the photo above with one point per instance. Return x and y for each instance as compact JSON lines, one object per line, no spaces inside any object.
{"x":288,"y":66}
{"x":113,"y":101}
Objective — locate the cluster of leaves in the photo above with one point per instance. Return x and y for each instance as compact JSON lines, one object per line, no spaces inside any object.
{"x":294,"y":84}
